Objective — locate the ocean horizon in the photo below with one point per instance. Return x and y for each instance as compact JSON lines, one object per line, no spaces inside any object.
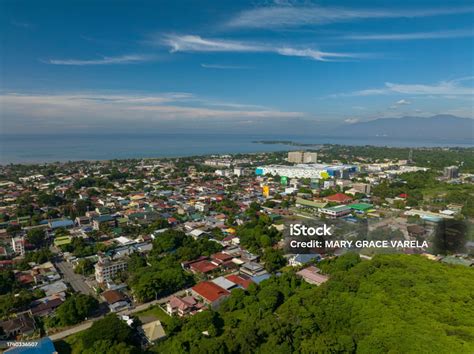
{"x":74,"y":147}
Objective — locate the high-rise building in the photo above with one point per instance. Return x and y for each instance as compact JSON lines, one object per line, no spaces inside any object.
{"x":310,"y":157}
{"x":302,"y":157}
{"x":295,"y":156}
{"x":451,"y":172}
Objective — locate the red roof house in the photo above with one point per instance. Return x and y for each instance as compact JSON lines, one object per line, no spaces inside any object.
{"x":239,"y":280}
{"x":221,"y":257}
{"x":202,"y":267}
{"x":210,"y":293}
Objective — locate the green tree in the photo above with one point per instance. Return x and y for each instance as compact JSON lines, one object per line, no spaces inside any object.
{"x":36,"y":237}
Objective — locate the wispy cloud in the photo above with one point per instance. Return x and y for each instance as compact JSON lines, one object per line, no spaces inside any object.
{"x":123,"y":59}
{"x":192,"y":43}
{"x":351,"y":120}
{"x":448,"y":88}
{"x":24,"y":25}
{"x":225,"y":67}
{"x":411,"y":36}
{"x":400,"y":103}
{"x":307,"y":15}
{"x":91,"y":108}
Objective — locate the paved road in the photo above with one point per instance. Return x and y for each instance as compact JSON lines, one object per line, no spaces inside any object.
{"x":76,"y":280}
{"x":85,"y":325}
{"x":147,"y":305}
{"x":66,"y":333}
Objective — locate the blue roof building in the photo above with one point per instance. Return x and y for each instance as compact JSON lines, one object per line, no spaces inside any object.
{"x":65,"y":223}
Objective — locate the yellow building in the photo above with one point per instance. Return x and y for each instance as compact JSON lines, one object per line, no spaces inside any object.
{"x":266,"y":191}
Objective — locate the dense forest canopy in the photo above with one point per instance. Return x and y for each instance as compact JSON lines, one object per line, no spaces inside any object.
{"x":393,"y":303}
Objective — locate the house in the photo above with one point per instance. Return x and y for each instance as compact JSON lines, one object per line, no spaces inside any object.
{"x":301,"y":259}
{"x":182,"y":306}
{"x":103,"y":219}
{"x":153,"y":331}
{"x":115,"y":300}
{"x":196,"y":233}
{"x":45,"y":306}
{"x":22,"y":325}
{"x":203,"y":267}
{"x":220,"y":258}
{"x":339,"y":198}
{"x":56,"y":288}
{"x":224,"y":283}
{"x":252,"y":269}
{"x":211,"y":294}
{"x":311,"y":275}
{"x":241,"y":280}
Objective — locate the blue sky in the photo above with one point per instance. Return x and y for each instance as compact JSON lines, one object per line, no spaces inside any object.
{"x":231,"y":66}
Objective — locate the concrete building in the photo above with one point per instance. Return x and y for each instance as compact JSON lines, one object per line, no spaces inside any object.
{"x":336,"y":212}
{"x":316,"y":171}
{"x":310,"y":157}
{"x":295,"y":156}
{"x":451,"y":172}
{"x":302,"y":157}
{"x":361,"y":188}
{"x":105,"y":269}
{"x":18,"y":245}
{"x":239,"y":171}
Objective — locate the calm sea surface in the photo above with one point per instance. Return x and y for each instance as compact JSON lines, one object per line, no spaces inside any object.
{"x":49,"y":148}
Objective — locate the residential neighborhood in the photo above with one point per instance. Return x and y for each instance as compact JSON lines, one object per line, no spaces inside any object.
{"x":176,"y":237}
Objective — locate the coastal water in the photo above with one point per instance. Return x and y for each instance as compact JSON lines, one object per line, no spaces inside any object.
{"x":50,"y":148}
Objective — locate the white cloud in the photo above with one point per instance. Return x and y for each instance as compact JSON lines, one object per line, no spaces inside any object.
{"x":411,"y":36}
{"x":225,"y":67}
{"x":124,"y":59}
{"x":95,"y":108}
{"x":402,"y":102}
{"x":192,"y":43}
{"x":449,"y":88}
{"x":313,"y":54}
{"x":306,"y":15}
{"x":351,"y":120}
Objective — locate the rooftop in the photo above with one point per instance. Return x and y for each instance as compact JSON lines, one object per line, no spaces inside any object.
{"x":209,"y":291}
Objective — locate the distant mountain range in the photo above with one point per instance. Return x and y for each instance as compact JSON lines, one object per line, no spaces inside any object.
{"x":436,"y":127}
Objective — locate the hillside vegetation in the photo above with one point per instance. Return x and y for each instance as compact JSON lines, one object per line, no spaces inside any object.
{"x":391,"y":304}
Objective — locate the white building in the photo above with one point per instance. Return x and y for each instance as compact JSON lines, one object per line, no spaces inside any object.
{"x":202,"y":207}
{"x":238,"y":171}
{"x":18,"y":245}
{"x":314,"y":170}
{"x":105,"y":269}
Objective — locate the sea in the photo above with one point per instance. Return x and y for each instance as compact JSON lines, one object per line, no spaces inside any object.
{"x":66,"y":147}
